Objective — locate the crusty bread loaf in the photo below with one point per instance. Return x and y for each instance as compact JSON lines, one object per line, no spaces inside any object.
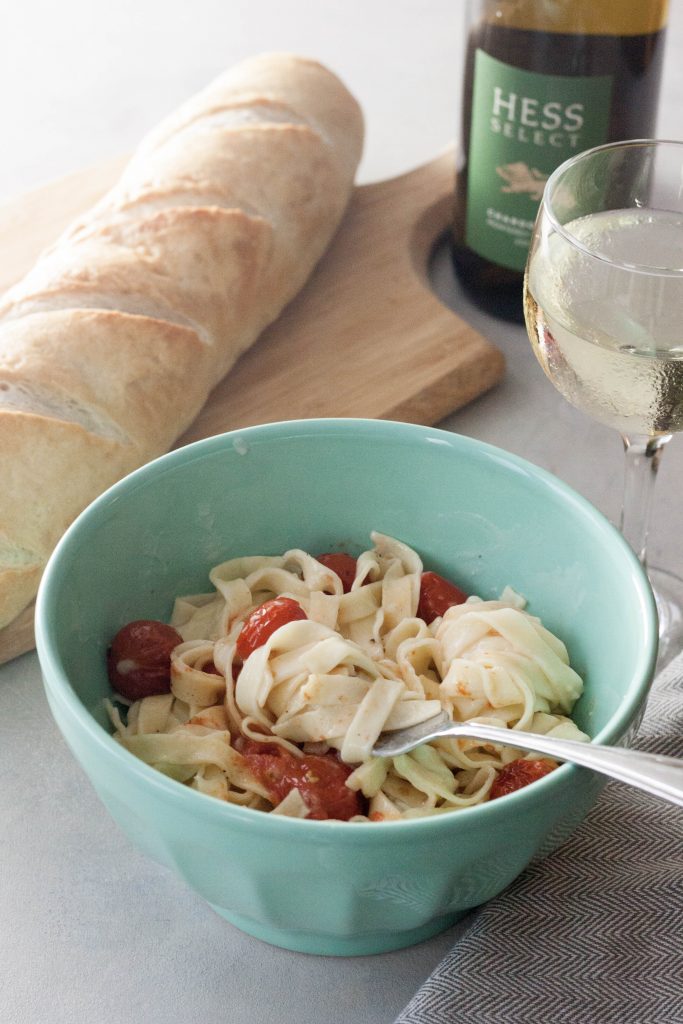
{"x":111,"y":343}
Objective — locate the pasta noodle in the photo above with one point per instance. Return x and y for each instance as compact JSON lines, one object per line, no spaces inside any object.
{"x":351,"y":665}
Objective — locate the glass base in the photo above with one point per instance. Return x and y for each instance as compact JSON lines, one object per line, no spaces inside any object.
{"x":668,"y":591}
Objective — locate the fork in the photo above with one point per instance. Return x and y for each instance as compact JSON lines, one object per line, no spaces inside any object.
{"x":656,"y":774}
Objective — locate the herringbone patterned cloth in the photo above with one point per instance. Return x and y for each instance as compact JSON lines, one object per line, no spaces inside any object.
{"x":594,"y":933}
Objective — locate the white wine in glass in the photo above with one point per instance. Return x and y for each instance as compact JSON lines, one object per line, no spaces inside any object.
{"x":603,"y":298}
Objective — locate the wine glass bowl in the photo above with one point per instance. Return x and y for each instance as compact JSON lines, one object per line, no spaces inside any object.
{"x":603,"y":303}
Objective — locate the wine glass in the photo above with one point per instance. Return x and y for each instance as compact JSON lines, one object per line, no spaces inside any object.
{"x":603,"y":304}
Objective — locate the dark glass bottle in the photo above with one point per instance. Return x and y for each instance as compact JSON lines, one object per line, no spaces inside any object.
{"x":543,"y":81}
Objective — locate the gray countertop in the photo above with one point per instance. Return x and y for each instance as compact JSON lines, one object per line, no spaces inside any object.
{"x":92,"y":931}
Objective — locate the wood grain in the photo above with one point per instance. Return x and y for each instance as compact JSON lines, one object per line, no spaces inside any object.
{"x":366,"y":336}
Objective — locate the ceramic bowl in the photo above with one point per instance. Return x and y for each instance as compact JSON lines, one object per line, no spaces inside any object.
{"x":473,"y":512}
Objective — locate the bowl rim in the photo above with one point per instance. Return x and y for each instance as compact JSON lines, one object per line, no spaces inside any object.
{"x":59,"y":688}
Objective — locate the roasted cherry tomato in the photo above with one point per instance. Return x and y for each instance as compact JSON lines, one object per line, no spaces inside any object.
{"x":519,"y":774}
{"x":320,"y":778}
{"x":263,"y":622}
{"x":139,"y":659}
{"x":343,"y":565}
{"x":436,"y":595}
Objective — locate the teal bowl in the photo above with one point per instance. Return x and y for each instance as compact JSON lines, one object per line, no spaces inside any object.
{"x":473,"y":512}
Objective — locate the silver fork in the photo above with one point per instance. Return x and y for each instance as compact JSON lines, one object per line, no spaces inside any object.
{"x":654,"y":773}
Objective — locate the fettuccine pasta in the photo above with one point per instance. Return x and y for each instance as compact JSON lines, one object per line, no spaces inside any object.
{"x":284,"y":675}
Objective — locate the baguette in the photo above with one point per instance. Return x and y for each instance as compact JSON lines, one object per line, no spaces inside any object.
{"x":111,"y":344}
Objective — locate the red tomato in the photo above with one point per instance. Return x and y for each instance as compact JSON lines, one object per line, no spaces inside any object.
{"x":343,"y":565}
{"x":139,"y":659}
{"x":519,"y":774}
{"x":263,"y":622}
{"x":436,"y":595}
{"x":320,"y":778}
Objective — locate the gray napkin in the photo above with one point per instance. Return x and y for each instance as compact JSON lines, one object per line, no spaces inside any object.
{"x":593,"y":934}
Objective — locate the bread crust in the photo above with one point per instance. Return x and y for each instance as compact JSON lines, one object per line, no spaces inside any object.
{"x":111,"y":344}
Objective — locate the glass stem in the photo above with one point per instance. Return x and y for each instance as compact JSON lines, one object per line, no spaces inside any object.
{"x":643,"y":455}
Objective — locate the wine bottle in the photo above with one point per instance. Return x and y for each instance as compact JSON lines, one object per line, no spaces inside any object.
{"x":544,"y":80}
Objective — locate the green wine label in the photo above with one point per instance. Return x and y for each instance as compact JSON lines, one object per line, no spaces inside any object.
{"x":523,"y":125}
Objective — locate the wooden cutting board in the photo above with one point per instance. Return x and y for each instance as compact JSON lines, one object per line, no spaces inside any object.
{"x":366,"y":337}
